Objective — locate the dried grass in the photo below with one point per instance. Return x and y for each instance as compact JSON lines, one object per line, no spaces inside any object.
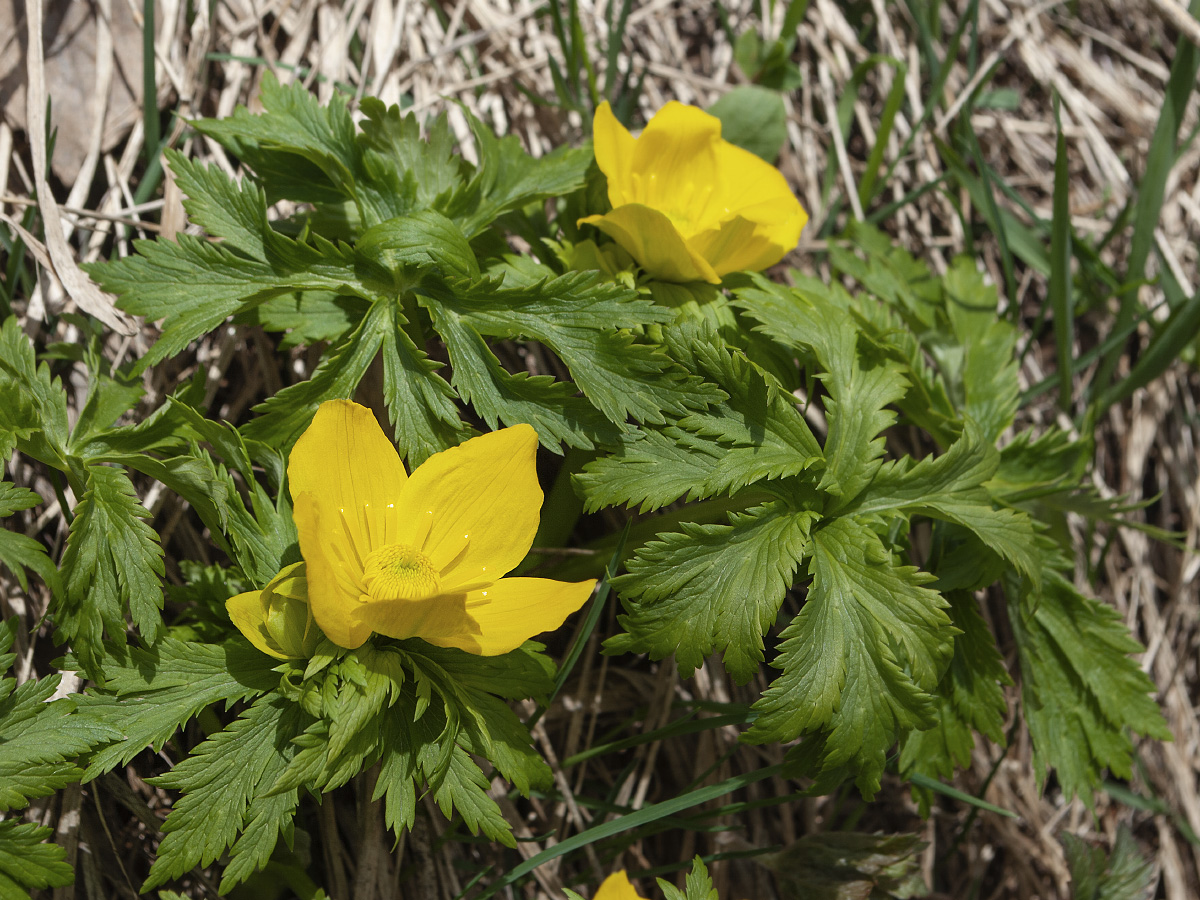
{"x":1108,"y":61}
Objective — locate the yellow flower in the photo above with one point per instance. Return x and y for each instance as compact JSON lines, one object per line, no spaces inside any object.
{"x":617,"y":887}
{"x":421,"y":556}
{"x":277,"y":619}
{"x":687,"y":205}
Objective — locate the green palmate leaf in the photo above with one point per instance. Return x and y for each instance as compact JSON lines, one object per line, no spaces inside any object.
{"x":113,"y":563}
{"x":753,"y":118}
{"x":1095,"y":875}
{"x":621,"y":376}
{"x":284,"y":416}
{"x":984,"y":381}
{"x":423,"y":172}
{"x":651,"y":467}
{"x":552,"y":407}
{"x":891,"y":273}
{"x":29,"y":862}
{"x":236,"y":213}
{"x":928,"y":403}
{"x":149,"y":694}
{"x":309,"y":153}
{"x":697,"y":887}
{"x":713,"y":587}
{"x":422,"y":239}
{"x":422,"y":712}
{"x":862,"y":659}
{"x":969,"y":699}
{"x":265,"y":819}
{"x":299,"y":149}
{"x":763,"y":435}
{"x":420,"y":402}
{"x":33,"y":406}
{"x":39,"y":740}
{"x":755,"y":434}
{"x":860,"y":389}
{"x":950,"y":487}
{"x":107,"y":400}
{"x":1032,"y":467}
{"x":195,"y":285}
{"x":474,"y":684}
{"x":1082,"y":693}
{"x":194,"y":477}
{"x":461,"y":787}
{"x":508,"y":178}
{"x":13,"y":499}
{"x":306,"y":317}
{"x":219,"y":780}
{"x":912,"y":316}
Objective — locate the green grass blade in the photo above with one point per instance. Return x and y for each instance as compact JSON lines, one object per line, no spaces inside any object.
{"x":895,"y":98}
{"x":644,"y":816}
{"x":149,"y":85}
{"x":1159,"y":162}
{"x":991,"y":209}
{"x":791,"y":21}
{"x":685,"y":725}
{"x":1081,"y":362}
{"x":1176,"y":334}
{"x":1060,"y":299}
{"x":932,"y":784}
{"x":615,"y":38}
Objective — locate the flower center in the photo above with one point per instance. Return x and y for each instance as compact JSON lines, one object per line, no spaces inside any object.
{"x":399,"y":572}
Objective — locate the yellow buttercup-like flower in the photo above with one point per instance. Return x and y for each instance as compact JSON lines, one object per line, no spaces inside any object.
{"x":687,"y":205}
{"x":277,"y":619}
{"x":421,"y":555}
{"x":617,"y":887}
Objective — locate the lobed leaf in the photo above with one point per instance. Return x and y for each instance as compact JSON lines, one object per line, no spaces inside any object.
{"x":113,"y":563}
{"x":28,"y":861}
{"x":862,"y":659}
{"x":712,"y":587}
{"x":1082,"y":692}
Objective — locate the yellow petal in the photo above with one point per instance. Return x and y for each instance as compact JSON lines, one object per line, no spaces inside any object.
{"x":473,"y":510}
{"x":335,"y":593}
{"x":617,"y":887}
{"x":351,"y":469}
{"x":441,"y":620}
{"x":650,"y":237}
{"x":249,"y":614}
{"x":613,"y":146}
{"x":511,"y":611}
{"x":749,"y":182}
{"x":738,"y":245}
{"x":675,"y":167}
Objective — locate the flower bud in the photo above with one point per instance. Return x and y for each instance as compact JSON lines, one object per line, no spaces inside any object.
{"x":277,"y":619}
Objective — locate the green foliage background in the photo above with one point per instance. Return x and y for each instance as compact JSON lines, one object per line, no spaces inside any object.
{"x":826,"y":482}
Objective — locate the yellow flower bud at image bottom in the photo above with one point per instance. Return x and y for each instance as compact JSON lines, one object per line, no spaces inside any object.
{"x":617,"y":887}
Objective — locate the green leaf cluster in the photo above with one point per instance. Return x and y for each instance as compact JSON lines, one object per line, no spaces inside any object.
{"x":422,"y":714}
{"x":405,"y":244}
{"x":879,"y":650}
{"x":40,"y":743}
